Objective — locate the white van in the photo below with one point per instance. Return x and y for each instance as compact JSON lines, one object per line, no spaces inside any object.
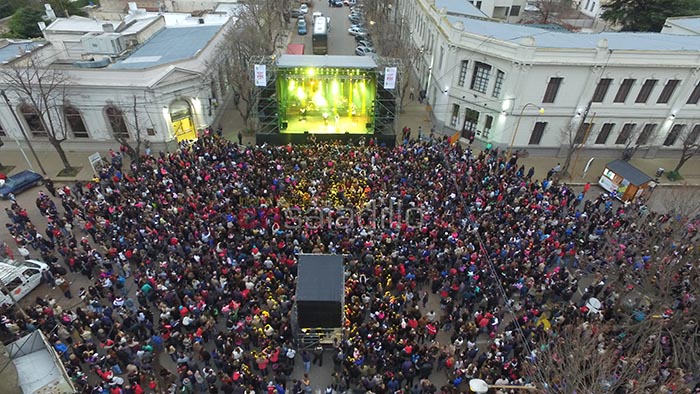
{"x":19,"y":278}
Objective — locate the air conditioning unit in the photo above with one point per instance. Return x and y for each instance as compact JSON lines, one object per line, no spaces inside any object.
{"x":103,"y":44}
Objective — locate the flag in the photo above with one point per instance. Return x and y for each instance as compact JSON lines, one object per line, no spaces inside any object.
{"x":455,"y":138}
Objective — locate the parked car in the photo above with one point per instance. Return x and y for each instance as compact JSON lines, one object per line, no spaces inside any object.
{"x":365,"y":43}
{"x":364,"y":51}
{"x":337,"y":3}
{"x":357,"y":20}
{"x":301,"y":27}
{"x":355,"y":31}
{"x":20,"y":182}
{"x":295,"y":13}
{"x":361,"y":37}
{"x":304,"y":9}
{"x":349,"y":2}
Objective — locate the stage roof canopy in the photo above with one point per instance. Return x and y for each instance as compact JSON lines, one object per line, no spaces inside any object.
{"x":320,"y":278}
{"x":291,"y":61}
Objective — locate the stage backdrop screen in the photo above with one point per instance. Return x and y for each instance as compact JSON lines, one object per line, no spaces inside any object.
{"x":326,"y":100}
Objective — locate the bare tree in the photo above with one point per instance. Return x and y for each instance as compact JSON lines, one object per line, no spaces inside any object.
{"x":690,"y":147}
{"x":394,"y":43}
{"x":632,"y":144}
{"x":259,"y":28}
{"x":573,"y":138}
{"x":43,"y":89}
{"x":131,"y":118}
{"x":583,"y":358}
{"x":549,"y":10}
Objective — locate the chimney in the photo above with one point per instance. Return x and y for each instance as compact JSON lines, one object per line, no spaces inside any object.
{"x":50,"y":15}
{"x":42,"y":26}
{"x":132,"y":6}
{"x":108,"y":28}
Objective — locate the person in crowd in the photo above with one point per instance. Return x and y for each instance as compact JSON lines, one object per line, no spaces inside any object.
{"x":194,"y":254}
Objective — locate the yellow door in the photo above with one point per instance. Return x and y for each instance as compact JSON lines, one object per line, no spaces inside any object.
{"x":184,"y":129}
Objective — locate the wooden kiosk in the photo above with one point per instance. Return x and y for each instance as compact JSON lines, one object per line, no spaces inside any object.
{"x":626,"y":180}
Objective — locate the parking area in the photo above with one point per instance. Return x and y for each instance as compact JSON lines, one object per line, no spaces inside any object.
{"x":339,"y":41}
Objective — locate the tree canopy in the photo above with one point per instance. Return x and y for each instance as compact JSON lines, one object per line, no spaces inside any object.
{"x":647,"y":15}
{"x":23,"y":23}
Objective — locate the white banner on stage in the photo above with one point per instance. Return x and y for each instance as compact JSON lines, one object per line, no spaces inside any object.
{"x":260,"y":75}
{"x":389,"y":78}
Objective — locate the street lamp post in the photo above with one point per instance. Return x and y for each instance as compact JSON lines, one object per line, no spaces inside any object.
{"x":517,"y":126}
{"x":26,"y":138}
{"x":480,"y":386}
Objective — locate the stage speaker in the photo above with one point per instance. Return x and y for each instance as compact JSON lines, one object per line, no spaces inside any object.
{"x":347,"y":132}
{"x":285,"y":125}
{"x":306,"y":131}
{"x":368,"y":126}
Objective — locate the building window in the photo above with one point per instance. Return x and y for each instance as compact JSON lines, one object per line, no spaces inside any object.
{"x":552,"y":88}
{"x":537,"y":133}
{"x":646,"y":133}
{"x":580,"y":137}
{"x":115,"y":118}
{"x":75,"y":122}
{"x":488,"y":123}
{"x":695,"y":95}
{"x":150,"y":131}
{"x":601,"y":90}
{"x":498,"y":85}
{"x":692,"y":137}
{"x":455,"y":115}
{"x":442,"y":55}
{"x":645,"y":91}
{"x":666,"y":94}
{"x":480,"y":78}
{"x":463,"y":73}
{"x":625,"y":133}
{"x":673,"y":134}
{"x":624,"y":90}
{"x":34,"y":121}
{"x":515,"y":10}
{"x":604,"y":133}
{"x":2,"y":131}
{"x":471,"y":119}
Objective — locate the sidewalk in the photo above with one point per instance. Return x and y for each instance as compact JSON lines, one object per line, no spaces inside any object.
{"x":415,"y":115}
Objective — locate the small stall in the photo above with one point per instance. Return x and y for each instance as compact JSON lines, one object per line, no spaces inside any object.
{"x":625,"y":180}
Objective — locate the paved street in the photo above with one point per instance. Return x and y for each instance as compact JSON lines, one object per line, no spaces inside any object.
{"x":339,"y":41}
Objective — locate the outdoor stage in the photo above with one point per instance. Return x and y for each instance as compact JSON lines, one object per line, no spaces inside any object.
{"x":339,"y":98}
{"x":340,"y":125}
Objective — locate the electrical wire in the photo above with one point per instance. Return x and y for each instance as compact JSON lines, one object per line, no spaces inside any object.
{"x":492,"y":268}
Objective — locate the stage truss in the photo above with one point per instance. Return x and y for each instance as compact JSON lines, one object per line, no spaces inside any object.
{"x":384,"y":117}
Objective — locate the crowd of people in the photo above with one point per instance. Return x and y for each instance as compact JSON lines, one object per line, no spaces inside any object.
{"x":459,"y":265}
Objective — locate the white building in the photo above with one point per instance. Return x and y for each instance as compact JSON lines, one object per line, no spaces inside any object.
{"x":508,"y":10}
{"x":592,"y":8}
{"x":162,"y":64}
{"x":489,"y":78}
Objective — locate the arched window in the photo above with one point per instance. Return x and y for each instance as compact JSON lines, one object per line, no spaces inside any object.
{"x":115,"y":118}
{"x":33,"y":120}
{"x":75,"y":122}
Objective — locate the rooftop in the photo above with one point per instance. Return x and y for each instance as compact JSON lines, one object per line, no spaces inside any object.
{"x":289,"y":61}
{"x":15,"y":49}
{"x":554,"y":39}
{"x":691,"y":23}
{"x":170,"y":44}
{"x":460,"y":7}
{"x":79,"y":24}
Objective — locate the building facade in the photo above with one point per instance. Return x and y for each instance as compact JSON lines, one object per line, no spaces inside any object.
{"x":149,"y":77}
{"x":531,"y":88}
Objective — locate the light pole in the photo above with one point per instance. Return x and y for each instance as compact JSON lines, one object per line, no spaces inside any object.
{"x":480,"y":386}
{"x":517,"y":126}
{"x":26,"y":138}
